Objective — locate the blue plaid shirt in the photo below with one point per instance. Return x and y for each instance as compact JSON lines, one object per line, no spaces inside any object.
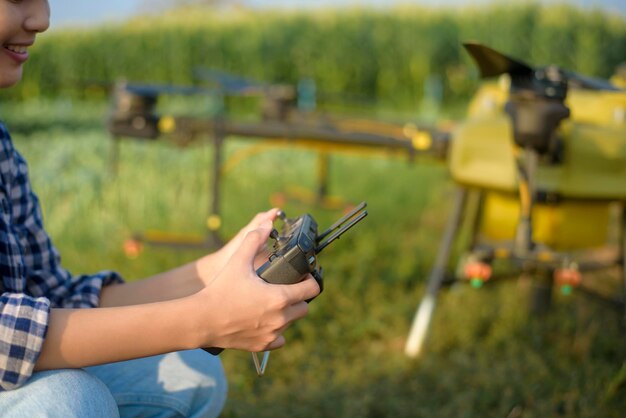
{"x":32,"y":279}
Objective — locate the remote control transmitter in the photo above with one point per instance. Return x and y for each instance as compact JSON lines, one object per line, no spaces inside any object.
{"x":295,"y":250}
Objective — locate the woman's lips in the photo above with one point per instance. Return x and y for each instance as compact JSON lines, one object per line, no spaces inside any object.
{"x":18,"y":53}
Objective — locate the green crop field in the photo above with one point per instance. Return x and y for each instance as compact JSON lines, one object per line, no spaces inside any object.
{"x":484,"y":357}
{"x":391,"y":56}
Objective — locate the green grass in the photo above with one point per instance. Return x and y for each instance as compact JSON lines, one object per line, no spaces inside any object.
{"x":485,"y":357}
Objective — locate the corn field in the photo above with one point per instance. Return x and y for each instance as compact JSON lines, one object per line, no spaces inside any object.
{"x":387,"y":56}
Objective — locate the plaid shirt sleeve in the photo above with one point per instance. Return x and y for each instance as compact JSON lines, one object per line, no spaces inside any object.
{"x":23,"y":326}
{"x":32,"y":279}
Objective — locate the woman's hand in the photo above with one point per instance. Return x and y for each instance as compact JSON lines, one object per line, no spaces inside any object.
{"x":237,"y":309}
{"x":210,"y":265}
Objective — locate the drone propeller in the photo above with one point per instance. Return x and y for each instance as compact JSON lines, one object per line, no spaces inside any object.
{"x":589,"y":83}
{"x":229,"y":83}
{"x":493,"y":63}
{"x":154,"y":90}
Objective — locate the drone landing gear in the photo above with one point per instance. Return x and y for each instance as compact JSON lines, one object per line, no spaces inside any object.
{"x":321,"y":197}
{"x":541,"y":293}
{"x":212,"y":240}
{"x":547,"y":271}
{"x":423,"y":316}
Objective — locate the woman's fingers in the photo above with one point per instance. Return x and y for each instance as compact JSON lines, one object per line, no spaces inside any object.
{"x":304,"y":290}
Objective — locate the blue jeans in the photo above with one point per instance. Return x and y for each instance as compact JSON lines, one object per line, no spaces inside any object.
{"x":181,"y":384}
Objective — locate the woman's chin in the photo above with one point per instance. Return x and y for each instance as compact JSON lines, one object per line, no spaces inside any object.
{"x":6,"y":84}
{"x":10,"y":78}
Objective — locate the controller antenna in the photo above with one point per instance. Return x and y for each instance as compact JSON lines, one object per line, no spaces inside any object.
{"x":341,"y":226}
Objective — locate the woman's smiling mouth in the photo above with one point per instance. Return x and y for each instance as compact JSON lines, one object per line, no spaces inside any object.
{"x":18,"y":53}
{"x":18,"y":49}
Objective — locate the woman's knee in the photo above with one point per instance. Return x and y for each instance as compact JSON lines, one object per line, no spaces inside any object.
{"x":201,"y":372}
{"x":187,"y":383}
{"x":63,"y":393}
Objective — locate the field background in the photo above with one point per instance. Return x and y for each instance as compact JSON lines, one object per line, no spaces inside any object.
{"x":485,"y":356}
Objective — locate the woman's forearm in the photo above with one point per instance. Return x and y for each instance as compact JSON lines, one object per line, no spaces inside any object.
{"x":84,"y":337}
{"x":180,"y":282}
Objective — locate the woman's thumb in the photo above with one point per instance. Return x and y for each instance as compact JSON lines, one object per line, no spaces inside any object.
{"x":254,"y":242}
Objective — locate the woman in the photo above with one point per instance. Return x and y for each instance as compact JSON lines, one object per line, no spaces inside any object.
{"x":137,"y":354}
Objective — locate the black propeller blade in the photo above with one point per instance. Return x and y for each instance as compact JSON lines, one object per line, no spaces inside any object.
{"x":153,"y":90}
{"x":230,"y":83}
{"x":589,"y":83}
{"x":493,"y":63}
